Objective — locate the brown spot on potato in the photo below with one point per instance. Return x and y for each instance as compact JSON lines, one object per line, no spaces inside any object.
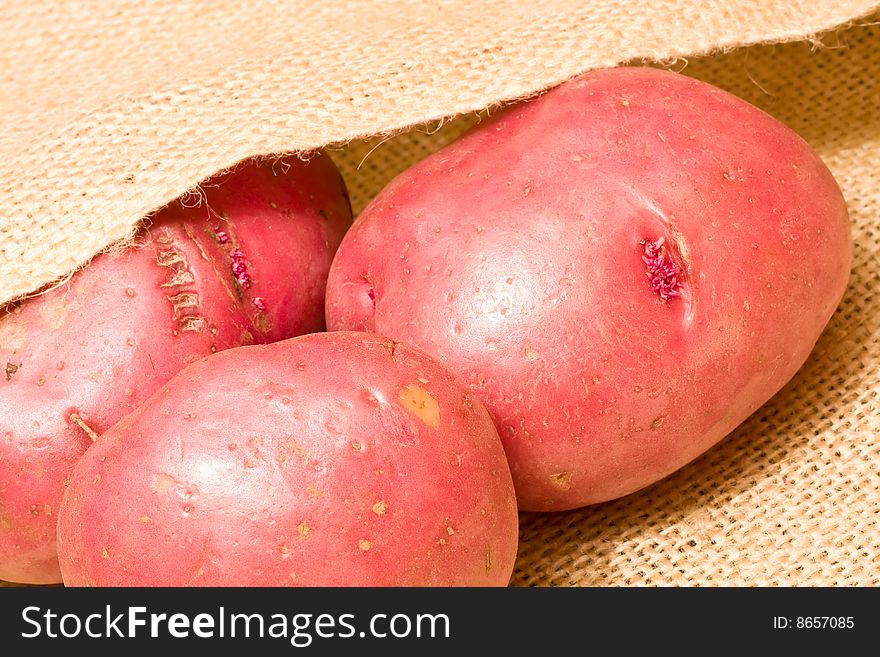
{"x":11,"y":369}
{"x":78,"y":421}
{"x":561,"y":480}
{"x":379,"y":508}
{"x":54,"y":312}
{"x":146,"y":520}
{"x":104,"y":552}
{"x":658,"y":422}
{"x":450,"y":531}
{"x":262,"y":323}
{"x":488,"y":560}
{"x":96,"y":480}
{"x":419,"y":402}
{"x":292,"y":446}
{"x":246,"y":338}
{"x":183,"y":301}
{"x":171,"y":258}
{"x":177,"y":278}
{"x":162,"y":483}
{"x":13,"y":334}
{"x":304,"y":529}
{"x":364,"y":545}
{"x":313,"y":491}
{"x":193,"y":324}
{"x":357,"y":446}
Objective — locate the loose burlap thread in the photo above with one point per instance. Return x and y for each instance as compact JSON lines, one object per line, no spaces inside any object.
{"x":110,"y":111}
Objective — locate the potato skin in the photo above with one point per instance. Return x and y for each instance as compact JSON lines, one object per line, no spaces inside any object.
{"x":324,"y":460}
{"x":246,"y":265}
{"x":623,"y":269}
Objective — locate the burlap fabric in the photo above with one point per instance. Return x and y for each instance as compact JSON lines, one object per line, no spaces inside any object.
{"x":111,"y":109}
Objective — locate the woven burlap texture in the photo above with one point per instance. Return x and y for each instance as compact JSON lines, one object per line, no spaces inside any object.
{"x":111,"y":109}
{"x":107,"y":116}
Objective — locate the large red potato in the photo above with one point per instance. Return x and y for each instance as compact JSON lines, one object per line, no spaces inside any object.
{"x":331,"y":459}
{"x":247,"y":265}
{"x":623,"y":269}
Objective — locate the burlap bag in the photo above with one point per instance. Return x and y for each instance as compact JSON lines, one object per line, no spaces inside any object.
{"x":111,"y":109}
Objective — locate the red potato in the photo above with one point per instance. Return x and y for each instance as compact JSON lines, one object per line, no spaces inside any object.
{"x":247,"y":266}
{"x":326,"y":460}
{"x":623,"y":269}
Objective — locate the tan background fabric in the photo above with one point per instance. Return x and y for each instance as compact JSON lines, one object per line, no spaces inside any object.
{"x":107,"y":116}
{"x":112,"y":108}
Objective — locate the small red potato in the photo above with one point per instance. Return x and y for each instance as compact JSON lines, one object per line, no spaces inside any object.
{"x":331,"y":459}
{"x":246,"y":265}
{"x":623,"y":269}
